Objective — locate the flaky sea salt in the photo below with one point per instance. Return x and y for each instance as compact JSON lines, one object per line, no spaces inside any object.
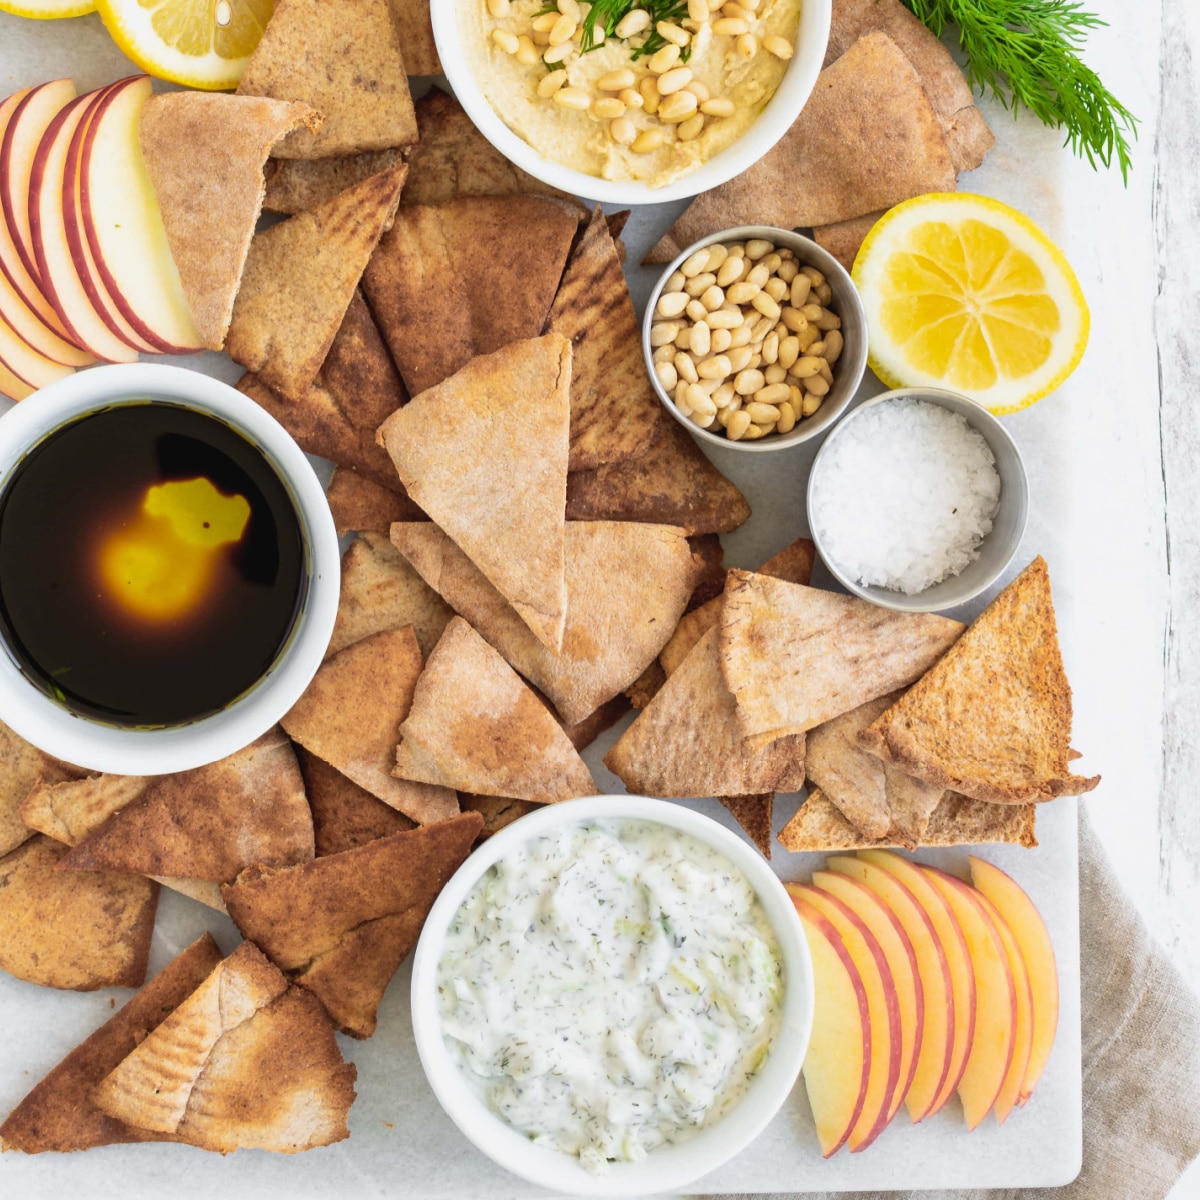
{"x":905,"y":495}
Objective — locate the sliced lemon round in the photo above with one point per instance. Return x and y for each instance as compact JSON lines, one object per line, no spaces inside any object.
{"x":966,"y":293}
{"x":199,"y":43}
{"x":47,"y":10}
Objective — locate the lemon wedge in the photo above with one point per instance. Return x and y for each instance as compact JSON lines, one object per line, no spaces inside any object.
{"x":966,"y":293}
{"x":47,"y":10}
{"x":199,"y":43}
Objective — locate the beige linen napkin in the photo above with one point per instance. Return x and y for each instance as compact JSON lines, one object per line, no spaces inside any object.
{"x":1141,"y":1056}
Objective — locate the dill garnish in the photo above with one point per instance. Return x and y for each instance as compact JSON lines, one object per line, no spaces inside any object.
{"x":607,"y":14}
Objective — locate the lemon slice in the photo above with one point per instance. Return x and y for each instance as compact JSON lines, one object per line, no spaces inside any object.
{"x":964,"y":292}
{"x":47,"y":10}
{"x":199,"y":43}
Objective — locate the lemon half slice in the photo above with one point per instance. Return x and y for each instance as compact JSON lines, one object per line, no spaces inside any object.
{"x":964,"y":292}
{"x":47,"y":10}
{"x":199,"y":43}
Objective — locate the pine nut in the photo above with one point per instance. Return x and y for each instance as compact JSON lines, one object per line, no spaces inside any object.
{"x":730,"y":27}
{"x":717,"y":254}
{"x":692,"y":128}
{"x":551,"y":84}
{"x":700,"y":401}
{"x":680,"y":396}
{"x":754,"y":432}
{"x":527,"y":52}
{"x":573,"y":97}
{"x":675,"y":282}
{"x":789,"y":352}
{"x":686,"y":367}
{"x":544,"y":23}
{"x":778,"y":46}
{"x":556,"y":54}
{"x":616,"y":81}
{"x":701,"y":340}
{"x":665,"y":353}
{"x":718,"y":106}
{"x":812,"y":312}
{"x":674,"y":80}
{"x":724,"y":395}
{"x":671,"y":304}
{"x":757,"y":248}
{"x":817,"y":386}
{"x":739,"y":359}
{"x":570,"y":8}
{"x":814,"y":276}
{"x":718,"y":367}
{"x":608,"y":108}
{"x":736,"y":10}
{"x":787,"y":419}
{"x":801,"y":286}
{"x":758,"y":275}
{"x":752,"y":5}
{"x":776,"y":289}
{"x":723,"y":318}
{"x":508,"y":42}
{"x":705,"y":422}
{"x":731,"y":270}
{"x":663,"y":332}
{"x":747,"y":46}
{"x":773,"y":393}
{"x":824,"y":293}
{"x":770,"y":351}
{"x":698,"y":11}
{"x":670,"y":32}
{"x":742,"y":293}
{"x":828,"y":321}
{"x":683,"y":339}
{"x":563,"y":31}
{"x":811,"y":404}
{"x":677,"y":107}
{"x":738,"y":424}
{"x":788,"y":271}
{"x":796,"y":321}
{"x":667,"y":375}
{"x":633,"y":23}
{"x":497,"y":8}
{"x":763,"y":302}
{"x":762,"y":413}
{"x":806,"y":368}
{"x":774,"y":374}
{"x":722,"y":339}
{"x":647,"y":141}
{"x":698,"y":286}
{"x":699,"y":90}
{"x":650,"y":99}
{"x":833,"y":346}
{"x":661,"y":61}
{"x":748,"y":382}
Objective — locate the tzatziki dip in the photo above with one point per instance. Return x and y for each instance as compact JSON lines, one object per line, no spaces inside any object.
{"x":611,"y":987}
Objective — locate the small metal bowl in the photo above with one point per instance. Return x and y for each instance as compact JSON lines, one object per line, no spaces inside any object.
{"x":998,"y":547}
{"x":847,"y":372}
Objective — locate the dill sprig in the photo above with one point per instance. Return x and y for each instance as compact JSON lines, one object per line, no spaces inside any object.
{"x":1026,"y":52}
{"x":608,"y":14}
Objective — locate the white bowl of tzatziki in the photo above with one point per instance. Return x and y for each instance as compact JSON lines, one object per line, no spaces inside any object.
{"x":612,"y":996}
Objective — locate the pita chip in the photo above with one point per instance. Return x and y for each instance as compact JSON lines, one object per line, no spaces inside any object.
{"x":583,"y":733}
{"x":298,"y":184}
{"x":497,"y":811}
{"x":416,"y":36}
{"x":359,"y":504}
{"x":474,"y":725}
{"x":344,"y":60}
{"x":299,"y":281}
{"x":647,"y":685}
{"x":341,"y":925}
{"x":795,"y":657}
{"x":23,"y":765}
{"x":485,"y":455}
{"x":351,"y":713}
{"x":205,"y":152}
{"x":457,"y":280}
{"x":58,"y":1114}
{"x":992,"y":719}
{"x":710,"y":557}
{"x":345,"y":816}
{"x":211,"y":822}
{"x":754,"y":814}
{"x":245,"y":1062}
{"x":627,"y":585}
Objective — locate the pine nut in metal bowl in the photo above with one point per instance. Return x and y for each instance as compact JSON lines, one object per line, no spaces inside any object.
{"x":776,"y":341}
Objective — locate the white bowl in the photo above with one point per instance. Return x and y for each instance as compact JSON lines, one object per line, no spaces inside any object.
{"x":100,"y":747}
{"x":668,"y":1167}
{"x":784,"y":107}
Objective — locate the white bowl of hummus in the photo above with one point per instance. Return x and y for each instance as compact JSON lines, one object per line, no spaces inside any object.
{"x":612,"y":996}
{"x":632,"y":103}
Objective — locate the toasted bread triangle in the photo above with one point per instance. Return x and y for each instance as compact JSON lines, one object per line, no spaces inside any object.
{"x":22,"y":765}
{"x":416,"y":36}
{"x":754,"y":815}
{"x":359,"y":504}
{"x":345,"y":816}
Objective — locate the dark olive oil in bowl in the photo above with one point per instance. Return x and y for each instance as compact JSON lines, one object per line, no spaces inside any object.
{"x":152,"y":565}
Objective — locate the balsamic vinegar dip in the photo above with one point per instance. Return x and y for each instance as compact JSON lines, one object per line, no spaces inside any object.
{"x":151,"y":564}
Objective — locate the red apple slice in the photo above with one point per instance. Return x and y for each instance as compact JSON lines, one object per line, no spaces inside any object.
{"x":25,"y":362}
{"x":13,"y":387}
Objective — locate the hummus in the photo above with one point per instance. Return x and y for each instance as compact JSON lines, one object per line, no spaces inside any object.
{"x":734,"y":74}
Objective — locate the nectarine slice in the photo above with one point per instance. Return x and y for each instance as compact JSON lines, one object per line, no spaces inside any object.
{"x":12,"y":385}
{"x":25,"y":362}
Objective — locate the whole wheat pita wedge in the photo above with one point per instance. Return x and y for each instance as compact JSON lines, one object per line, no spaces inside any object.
{"x":818,"y":826}
{"x":613,"y":407}
{"x":627,"y":585}
{"x":22,"y":765}
{"x":671,"y":482}
{"x":356,"y":391}
{"x":485,"y":455}
{"x":299,"y":280}
{"x":359,"y":504}
{"x":754,"y":814}
{"x":58,"y":1114}
{"x":992,"y":719}
{"x":211,"y":822}
{"x":795,"y":657}
{"x":298,"y":184}
{"x":474,"y":725}
{"x":245,"y":1062}
{"x":647,"y":685}
{"x":457,"y":280}
{"x":380,"y":590}
{"x":205,"y":153}
{"x":583,"y":733}
{"x":686,"y":742}
{"x":72,"y":930}
{"x":844,"y":239}
{"x":351,"y":714}
{"x":416,"y":36}
{"x":867,"y":139}
{"x":710,"y":556}
{"x":341,"y":925}
{"x":345,"y":61}
{"x":496,"y":811}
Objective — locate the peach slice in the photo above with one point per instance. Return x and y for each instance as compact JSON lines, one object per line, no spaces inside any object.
{"x":883,"y":1009}
{"x":13,"y":386}
{"x":838,"y":1062}
{"x":1032,"y":936}
{"x":996,"y":1006}
{"x":25,"y":362}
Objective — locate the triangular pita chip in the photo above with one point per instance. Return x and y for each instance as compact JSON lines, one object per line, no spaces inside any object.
{"x":452,"y":281}
{"x":21,"y":766}
{"x":416,"y":36}
{"x":211,"y":822}
{"x":686,"y":742}
{"x":496,"y":811}
{"x":485,"y":455}
{"x":343,"y":59}
{"x":867,"y":138}
{"x":380,"y":590}
{"x":245,"y":1062}
{"x":845,"y":238}
{"x":298,"y":184}
{"x":342,"y":925}
{"x":795,"y":657}
{"x":205,"y":153}
{"x":351,"y":713}
{"x":359,"y":504}
{"x":59,"y":1114}
{"x":993,"y":718}
{"x":710,"y":555}
{"x":476,"y":726}
{"x":613,"y":407}
{"x":299,"y":280}
{"x":627,"y":585}
{"x":647,"y":685}
{"x":754,"y":815}
{"x":583,"y":733}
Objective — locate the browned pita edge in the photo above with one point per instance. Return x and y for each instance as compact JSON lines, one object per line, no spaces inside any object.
{"x":687,"y":742}
{"x":614,"y":410}
{"x":496,"y":811}
{"x":23,"y":765}
{"x":58,"y":1114}
{"x":345,"y":61}
{"x":204,"y":153}
{"x":583,"y":733}
{"x":453,"y":281}
{"x":299,"y":279}
{"x":867,"y":139}
{"x":957,"y":821}
{"x":754,"y":814}
{"x":992,"y":719}
{"x":359,"y":504}
{"x":73,"y":931}
{"x":671,"y":482}
{"x":476,"y":726}
{"x":416,"y":37}
{"x":710,"y":559}
{"x":245,"y":1062}
{"x":211,"y":822}
{"x":647,"y":685}
{"x":485,"y":455}
{"x":795,"y":657}
{"x":298,"y":184}
{"x":845,"y":239}
{"x":342,"y":924}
